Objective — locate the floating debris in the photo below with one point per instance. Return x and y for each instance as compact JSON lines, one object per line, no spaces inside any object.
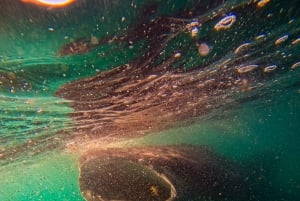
{"x":241,"y":48}
{"x":12,"y":89}
{"x":225,"y":23}
{"x":291,"y":21}
{"x":177,"y":55}
{"x":260,"y":37}
{"x":262,"y":3}
{"x":193,"y":28}
{"x":295,"y":65}
{"x":192,"y":25}
{"x":79,"y":46}
{"x":39,"y":110}
{"x":294,"y":42}
{"x":94,"y":40}
{"x":246,"y":69}
{"x":150,"y":77}
{"x":269,"y":69}
{"x":194,"y":32}
{"x":281,"y":39}
{"x":203,"y":49}
{"x":51,"y":29}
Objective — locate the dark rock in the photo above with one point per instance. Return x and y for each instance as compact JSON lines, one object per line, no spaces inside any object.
{"x":160,"y":173}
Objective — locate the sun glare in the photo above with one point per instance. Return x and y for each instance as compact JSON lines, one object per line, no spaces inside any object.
{"x":50,"y":3}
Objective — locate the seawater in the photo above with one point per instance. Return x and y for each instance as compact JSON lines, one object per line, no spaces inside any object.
{"x":38,"y":159}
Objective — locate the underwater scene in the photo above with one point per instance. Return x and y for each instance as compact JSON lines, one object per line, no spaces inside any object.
{"x":149,"y":100}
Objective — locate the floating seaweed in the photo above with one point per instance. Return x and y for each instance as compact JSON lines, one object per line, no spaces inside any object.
{"x":149,"y":94}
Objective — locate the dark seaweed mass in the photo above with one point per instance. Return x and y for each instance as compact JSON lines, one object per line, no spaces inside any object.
{"x":183,"y":172}
{"x":172,"y":81}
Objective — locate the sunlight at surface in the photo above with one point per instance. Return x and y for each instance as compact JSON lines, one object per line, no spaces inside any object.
{"x":51,"y":3}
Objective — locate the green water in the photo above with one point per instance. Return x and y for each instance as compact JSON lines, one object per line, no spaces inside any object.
{"x":259,"y":127}
{"x":50,"y":177}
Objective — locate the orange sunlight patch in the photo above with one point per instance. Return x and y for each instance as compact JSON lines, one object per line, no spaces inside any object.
{"x":50,"y":3}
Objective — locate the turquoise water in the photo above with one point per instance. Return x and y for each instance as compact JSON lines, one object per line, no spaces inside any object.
{"x":234,"y":104}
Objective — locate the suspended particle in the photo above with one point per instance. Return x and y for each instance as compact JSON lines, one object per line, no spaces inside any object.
{"x":296,"y":41}
{"x":192,"y":25}
{"x":269,"y":69}
{"x":194,"y":32}
{"x":203,"y":49}
{"x":262,"y":3}
{"x":150,"y":77}
{"x":241,"y":48}
{"x":260,"y":37}
{"x":12,"y":89}
{"x":39,"y":110}
{"x":281,"y":39}
{"x":246,"y":69}
{"x":51,"y":29}
{"x":225,"y":23}
{"x":94,"y":40}
{"x":177,"y":55}
{"x":291,"y":21}
{"x":295,"y":65}
{"x":28,"y":101}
